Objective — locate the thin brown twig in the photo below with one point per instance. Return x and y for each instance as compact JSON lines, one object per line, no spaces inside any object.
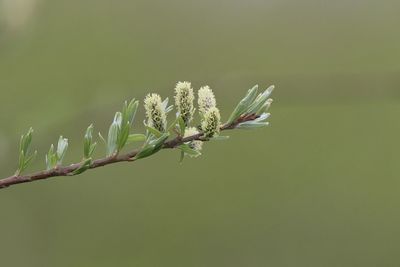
{"x":128,"y":157}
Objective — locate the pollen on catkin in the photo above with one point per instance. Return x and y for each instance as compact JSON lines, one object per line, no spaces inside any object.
{"x":155,"y":113}
{"x":195,"y":144}
{"x":184,"y":98}
{"x":211,"y":122}
{"x":206,"y":99}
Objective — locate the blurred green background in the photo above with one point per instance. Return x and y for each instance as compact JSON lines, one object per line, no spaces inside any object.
{"x":320,"y":187}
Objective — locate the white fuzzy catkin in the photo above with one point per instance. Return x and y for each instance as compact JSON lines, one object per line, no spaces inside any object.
{"x":155,"y":113}
{"x":206,"y":99}
{"x":184,"y":98}
{"x":211,"y":122}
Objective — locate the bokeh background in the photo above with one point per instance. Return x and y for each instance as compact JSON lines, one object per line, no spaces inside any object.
{"x":320,"y":187}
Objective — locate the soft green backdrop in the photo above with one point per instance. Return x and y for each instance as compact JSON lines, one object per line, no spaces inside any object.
{"x":320,"y":187}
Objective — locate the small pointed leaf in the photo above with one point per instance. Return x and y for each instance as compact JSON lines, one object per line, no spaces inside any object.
{"x":136,"y":138}
{"x":188,"y":150}
{"x":154,"y":131}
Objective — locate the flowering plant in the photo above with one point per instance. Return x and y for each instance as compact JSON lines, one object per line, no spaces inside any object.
{"x":250,"y":113}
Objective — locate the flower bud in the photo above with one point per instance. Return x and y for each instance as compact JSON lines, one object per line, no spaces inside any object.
{"x":184,"y":101}
{"x":155,"y":113}
{"x":206,"y":99}
{"x":211,"y":122}
{"x":195,"y":144}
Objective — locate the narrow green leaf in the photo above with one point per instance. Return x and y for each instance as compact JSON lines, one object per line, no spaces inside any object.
{"x":260,"y":100}
{"x":243,"y":104}
{"x":165,"y":103}
{"x":265,"y":107}
{"x":169,"y":109}
{"x":103,"y":139}
{"x":133,"y":106}
{"x":29,"y":160}
{"x":262,"y":117}
{"x":182,"y":126}
{"x":84,"y":167}
{"x":165,"y":106}
{"x":21,"y":162}
{"x":173,"y":124}
{"x":129,"y":112}
{"x":136,"y":138}
{"x":158,"y":143}
{"x":251,"y":125}
{"x":118,"y":118}
{"x":113,"y":136}
{"x":92,"y":149}
{"x":51,"y":158}
{"x":25,"y":142}
{"x":152,"y":147}
{"x":154,"y":131}
{"x":123,"y":136}
{"x":21,"y":143}
{"x":88,"y":146}
{"x":112,"y":139}
{"x":145,"y":152}
{"x":24,"y":151}
{"x":61,"y":149}
{"x":188,"y":150}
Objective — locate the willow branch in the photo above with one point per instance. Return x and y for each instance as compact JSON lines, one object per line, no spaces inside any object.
{"x":128,"y":157}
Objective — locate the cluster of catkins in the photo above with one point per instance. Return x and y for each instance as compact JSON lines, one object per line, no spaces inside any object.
{"x":156,"y":112}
